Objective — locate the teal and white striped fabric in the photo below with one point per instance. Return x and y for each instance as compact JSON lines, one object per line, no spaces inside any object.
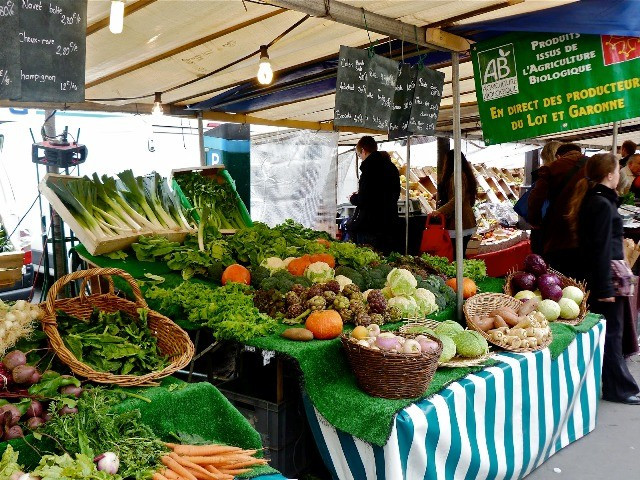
{"x":500,"y":423}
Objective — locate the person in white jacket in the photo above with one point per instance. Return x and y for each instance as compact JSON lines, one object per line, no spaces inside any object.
{"x":628,"y":174}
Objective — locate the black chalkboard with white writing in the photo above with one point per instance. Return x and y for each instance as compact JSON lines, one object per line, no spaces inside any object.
{"x":364,"y":89}
{"x":402,"y":102}
{"x":9,"y":50}
{"x":426,"y":102}
{"x":52,"y":37}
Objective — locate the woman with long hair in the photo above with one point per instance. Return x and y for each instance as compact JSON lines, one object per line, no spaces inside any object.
{"x":594,"y":219}
{"x":446,"y":200}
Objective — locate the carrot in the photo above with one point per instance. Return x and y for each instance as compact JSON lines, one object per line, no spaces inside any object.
{"x":171,"y":475}
{"x":201,"y":476}
{"x":217,"y":472}
{"x":158,"y":476}
{"x":204,"y":450}
{"x":176,"y":467}
{"x":236,"y":471}
{"x":248,"y":463}
{"x":171,"y":445}
{"x":218,"y":459}
{"x":191,"y":466}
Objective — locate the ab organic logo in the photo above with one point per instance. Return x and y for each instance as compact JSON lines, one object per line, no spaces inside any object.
{"x":498,"y":75}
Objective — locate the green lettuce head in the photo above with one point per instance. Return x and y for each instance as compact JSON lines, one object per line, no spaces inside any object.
{"x":426,"y":301}
{"x":401,"y":282}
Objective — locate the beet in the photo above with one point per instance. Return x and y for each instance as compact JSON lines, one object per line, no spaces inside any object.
{"x":67,"y":410}
{"x":34,"y":422}
{"x":523,"y":281}
{"x":551,"y":292}
{"x":13,"y":432}
{"x":11,"y":414}
{"x":535,"y":264}
{"x":14,"y":359}
{"x":6,"y":379}
{"x":23,"y":373}
{"x":548,"y":279}
{"x":71,"y":390}
{"x":35,"y":409}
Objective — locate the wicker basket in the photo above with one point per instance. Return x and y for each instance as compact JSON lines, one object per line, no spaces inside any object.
{"x":565,"y":282}
{"x":484,"y":303}
{"x":172,"y":340}
{"x":389,"y":374}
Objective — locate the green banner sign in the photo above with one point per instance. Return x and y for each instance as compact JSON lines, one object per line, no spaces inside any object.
{"x":533,"y":84}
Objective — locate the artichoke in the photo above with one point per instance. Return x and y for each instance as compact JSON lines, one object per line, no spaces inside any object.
{"x":316,"y":303}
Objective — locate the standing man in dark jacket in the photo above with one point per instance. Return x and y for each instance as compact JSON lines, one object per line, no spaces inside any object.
{"x":375,"y":220}
{"x":556,"y":183}
{"x":627,"y":149}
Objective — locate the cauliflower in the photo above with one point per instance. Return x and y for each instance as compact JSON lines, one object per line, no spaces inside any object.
{"x":343,"y":281}
{"x":273,"y":264}
{"x":386,"y":291}
{"x":287,"y":261}
{"x":402,"y":282}
{"x":407,"y":305}
{"x":319,"y":272}
{"x":426,"y":301}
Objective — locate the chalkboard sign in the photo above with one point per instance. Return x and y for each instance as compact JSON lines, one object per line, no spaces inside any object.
{"x":364,"y":89}
{"x":402,"y":102}
{"x":52,"y":36}
{"x":426,"y":102}
{"x":9,"y":50}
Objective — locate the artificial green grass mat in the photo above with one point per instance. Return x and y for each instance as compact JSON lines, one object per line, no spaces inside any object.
{"x":564,"y":334}
{"x":197,"y":409}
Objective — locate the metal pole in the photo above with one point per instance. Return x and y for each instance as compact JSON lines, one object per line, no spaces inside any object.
{"x":614,"y":138}
{"x":203,"y":156}
{"x":406,"y":198}
{"x":457,"y":177}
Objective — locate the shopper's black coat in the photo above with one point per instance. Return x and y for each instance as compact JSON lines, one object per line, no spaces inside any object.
{"x":378,"y":194}
{"x":600,"y":235}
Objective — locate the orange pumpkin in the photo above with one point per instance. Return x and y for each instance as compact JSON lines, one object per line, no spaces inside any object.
{"x":298,"y":266}
{"x":469,"y":287}
{"x":325,"y":324}
{"x":237,"y":274}
{"x":324,"y":241}
{"x":326,"y":258}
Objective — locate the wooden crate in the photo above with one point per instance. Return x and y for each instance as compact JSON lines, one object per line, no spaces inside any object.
{"x":10,"y":268}
{"x":97,"y":246}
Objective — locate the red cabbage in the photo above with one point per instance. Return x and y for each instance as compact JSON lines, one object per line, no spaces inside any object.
{"x":535,"y":264}
{"x":548,"y":279}
{"x":522,"y":281}
{"x":552,"y":292}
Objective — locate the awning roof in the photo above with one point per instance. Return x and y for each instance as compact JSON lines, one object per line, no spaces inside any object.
{"x":173,"y":47}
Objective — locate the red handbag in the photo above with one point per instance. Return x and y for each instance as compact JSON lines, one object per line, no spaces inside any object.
{"x":435,"y":238}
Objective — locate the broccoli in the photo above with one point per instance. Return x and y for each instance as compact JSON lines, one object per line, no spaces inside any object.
{"x":258,"y":275}
{"x":376,"y":277}
{"x":355,"y":276}
{"x":282,"y":281}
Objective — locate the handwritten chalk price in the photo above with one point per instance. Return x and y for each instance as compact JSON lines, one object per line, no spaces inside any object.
{"x":68,"y":86}
{"x":4,"y":77}
{"x":8,"y":9}
{"x":65,"y":50}
{"x":72,"y":19}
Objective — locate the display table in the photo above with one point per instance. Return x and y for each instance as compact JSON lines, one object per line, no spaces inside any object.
{"x":500,"y":263}
{"x":502,"y":422}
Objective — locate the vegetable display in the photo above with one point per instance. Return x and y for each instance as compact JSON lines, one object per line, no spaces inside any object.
{"x":116,"y":342}
{"x":473,"y":269}
{"x":5,"y":243}
{"x":213,"y":198}
{"x":107,"y":208}
{"x":16,"y":321}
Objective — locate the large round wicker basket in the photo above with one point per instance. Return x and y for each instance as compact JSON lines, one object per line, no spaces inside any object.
{"x":172,"y":340}
{"x":389,"y":374}
{"x":484,"y":303}
{"x":565,"y":282}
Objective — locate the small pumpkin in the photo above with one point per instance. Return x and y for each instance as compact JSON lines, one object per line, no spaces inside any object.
{"x":324,"y":242}
{"x":469,"y":287}
{"x":298,"y":266}
{"x":236,"y":274}
{"x":325,"y":324}
{"x":326,"y":258}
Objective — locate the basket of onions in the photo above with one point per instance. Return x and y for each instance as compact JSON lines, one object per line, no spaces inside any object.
{"x":387,"y":365}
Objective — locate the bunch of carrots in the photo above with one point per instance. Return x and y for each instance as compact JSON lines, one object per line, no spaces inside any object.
{"x":206,"y":462}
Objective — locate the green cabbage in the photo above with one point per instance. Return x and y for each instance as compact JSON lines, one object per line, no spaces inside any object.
{"x":448,"y":348}
{"x":402,"y":282}
{"x":448,"y":328}
{"x":319,"y":272}
{"x":470,"y":344}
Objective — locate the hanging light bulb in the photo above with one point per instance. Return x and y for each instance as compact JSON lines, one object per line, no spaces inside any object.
{"x":116,"y":19}
{"x":265,"y":74}
{"x":157,"y":105}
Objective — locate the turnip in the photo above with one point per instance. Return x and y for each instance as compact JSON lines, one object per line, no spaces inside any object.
{"x":67,"y":410}
{"x":13,"y":432}
{"x":16,"y":476}
{"x":14,"y":359}
{"x":411,"y":346}
{"x":108,"y":462}
{"x":11,"y":414}
{"x":23,"y":373}
{"x":387,"y":341}
{"x":34,"y":423}
{"x":71,"y":390}
{"x":35,"y":409}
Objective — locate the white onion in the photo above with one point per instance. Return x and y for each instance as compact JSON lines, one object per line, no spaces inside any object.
{"x":411,"y":346}
{"x":20,"y":305}
{"x":34,"y":313}
{"x":10,"y":317}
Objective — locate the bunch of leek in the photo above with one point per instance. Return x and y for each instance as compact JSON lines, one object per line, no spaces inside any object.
{"x":106,"y":207}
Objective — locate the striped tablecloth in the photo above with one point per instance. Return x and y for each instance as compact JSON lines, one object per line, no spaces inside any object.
{"x":499,"y":423}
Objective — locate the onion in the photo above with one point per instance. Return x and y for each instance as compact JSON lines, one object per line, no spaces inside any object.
{"x":13,"y":432}
{"x":387,"y":341}
{"x":108,"y":462}
{"x":20,"y":305}
{"x":411,"y":346}
{"x":14,"y":359}
{"x":34,"y":423}
{"x":23,"y":373}
{"x":35,"y":409}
